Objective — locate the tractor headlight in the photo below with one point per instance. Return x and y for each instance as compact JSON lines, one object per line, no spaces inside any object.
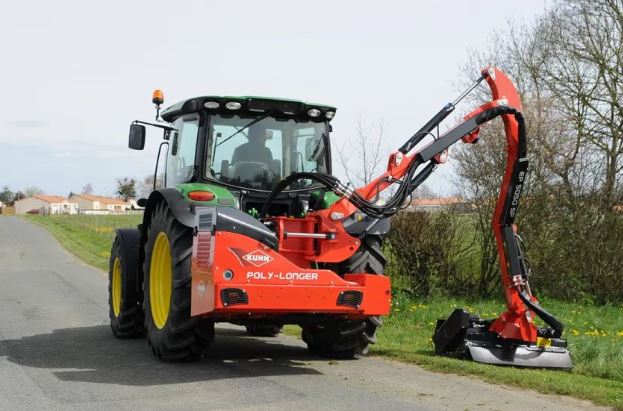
{"x":211,"y":104}
{"x":329,"y":114}
{"x":233,"y":105}
{"x":313,"y":112}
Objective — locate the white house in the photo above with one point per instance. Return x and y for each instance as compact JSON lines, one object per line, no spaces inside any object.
{"x":45,"y":204}
{"x":134,"y":205}
{"x":92,"y":204}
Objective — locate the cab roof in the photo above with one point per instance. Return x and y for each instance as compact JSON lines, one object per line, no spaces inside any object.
{"x":250,"y":105}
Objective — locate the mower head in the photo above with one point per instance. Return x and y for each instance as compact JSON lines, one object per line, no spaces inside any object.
{"x":469,"y":337}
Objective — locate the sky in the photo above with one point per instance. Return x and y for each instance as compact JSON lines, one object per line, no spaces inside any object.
{"x":75,"y":74}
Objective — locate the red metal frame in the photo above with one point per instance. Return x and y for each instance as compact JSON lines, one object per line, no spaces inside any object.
{"x":273,"y":283}
{"x":516,"y":323}
{"x":263,"y":273}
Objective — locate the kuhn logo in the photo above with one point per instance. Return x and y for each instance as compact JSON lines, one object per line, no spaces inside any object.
{"x":257,"y":258}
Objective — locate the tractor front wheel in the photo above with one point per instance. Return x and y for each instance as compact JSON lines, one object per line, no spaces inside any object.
{"x":125,"y":310}
{"x":173,"y":334}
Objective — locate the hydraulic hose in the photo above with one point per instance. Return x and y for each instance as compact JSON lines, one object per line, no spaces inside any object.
{"x":326,"y":179}
{"x":549,"y":319}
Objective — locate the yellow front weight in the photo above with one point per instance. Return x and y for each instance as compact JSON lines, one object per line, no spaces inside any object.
{"x":160,"y":280}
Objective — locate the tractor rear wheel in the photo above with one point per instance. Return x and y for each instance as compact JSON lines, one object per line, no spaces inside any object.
{"x":126,"y":314}
{"x":349,"y":338}
{"x":173,"y":334}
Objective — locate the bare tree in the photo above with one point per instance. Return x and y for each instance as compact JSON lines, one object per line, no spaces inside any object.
{"x":362,"y":156}
{"x":87,"y":189}
{"x":584,"y":72}
{"x":145,"y":187}
{"x":424,"y":191}
{"x":568,"y":68}
{"x":32,"y":190}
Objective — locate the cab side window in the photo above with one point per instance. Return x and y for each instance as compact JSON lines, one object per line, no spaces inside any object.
{"x":183,"y":146}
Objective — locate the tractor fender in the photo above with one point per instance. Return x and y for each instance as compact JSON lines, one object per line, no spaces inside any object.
{"x":227,"y":218}
{"x":178,"y":205}
{"x":360,"y":226}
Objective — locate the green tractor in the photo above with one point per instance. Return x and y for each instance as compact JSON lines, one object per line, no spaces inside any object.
{"x":222,"y":240}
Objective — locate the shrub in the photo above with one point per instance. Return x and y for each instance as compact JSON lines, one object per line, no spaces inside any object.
{"x":431,"y":253}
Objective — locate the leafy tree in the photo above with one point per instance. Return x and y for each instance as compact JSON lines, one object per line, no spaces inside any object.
{"x":126,"y":188}
{"x":6,"y":195}
{"x":18,"y":196}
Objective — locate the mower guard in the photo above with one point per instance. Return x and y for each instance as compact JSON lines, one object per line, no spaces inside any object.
{"x":531,"y":356}
{"x":465,"y":336}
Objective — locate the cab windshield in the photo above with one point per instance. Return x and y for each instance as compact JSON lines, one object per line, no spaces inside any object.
{"x":262,"y":154}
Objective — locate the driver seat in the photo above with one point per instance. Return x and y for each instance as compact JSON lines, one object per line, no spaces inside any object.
{"x":249,"y":152}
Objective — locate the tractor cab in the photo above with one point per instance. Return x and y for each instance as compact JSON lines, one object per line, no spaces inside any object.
{"x":246,"y":145}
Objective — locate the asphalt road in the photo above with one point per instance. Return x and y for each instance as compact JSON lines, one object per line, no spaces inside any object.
{"x":57,"y":352}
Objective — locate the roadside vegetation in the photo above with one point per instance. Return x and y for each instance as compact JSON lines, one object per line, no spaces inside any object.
{"x":89,"y":237}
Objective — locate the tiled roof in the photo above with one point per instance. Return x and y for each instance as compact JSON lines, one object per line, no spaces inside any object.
{"x":101,"y":199}
{"x":50,"y":199}
{"x":445,"y":201}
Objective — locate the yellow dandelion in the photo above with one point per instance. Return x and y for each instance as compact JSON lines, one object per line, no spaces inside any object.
{"x":620,"y":333}
{"x":575,"y":332}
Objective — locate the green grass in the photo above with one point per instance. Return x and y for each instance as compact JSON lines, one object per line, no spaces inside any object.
{"x":89,"y":237}
{"x":595,"y":333}
{"x":595,"y":336}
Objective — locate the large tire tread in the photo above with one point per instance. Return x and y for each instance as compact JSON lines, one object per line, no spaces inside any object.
{"x":183,"y":337}
{"x":130,"y":323}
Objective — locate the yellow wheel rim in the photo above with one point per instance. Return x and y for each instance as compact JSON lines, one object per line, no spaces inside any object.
{"x":116,"y":287}
{"x":160,"y":280}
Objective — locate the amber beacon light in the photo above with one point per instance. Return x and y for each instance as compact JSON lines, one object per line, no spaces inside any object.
{"x":157,"y":97}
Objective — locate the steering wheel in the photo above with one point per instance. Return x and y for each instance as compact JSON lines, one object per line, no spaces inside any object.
{"x":251,"y":170}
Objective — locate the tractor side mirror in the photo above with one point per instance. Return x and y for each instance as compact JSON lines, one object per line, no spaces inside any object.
{"x":137,"y":137}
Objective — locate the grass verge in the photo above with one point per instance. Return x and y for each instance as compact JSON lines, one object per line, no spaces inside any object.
{"x":595,"y":333}
{"x":88,"y":237}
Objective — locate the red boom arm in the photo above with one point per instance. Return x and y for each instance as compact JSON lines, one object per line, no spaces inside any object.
{"x":517,"y":322}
